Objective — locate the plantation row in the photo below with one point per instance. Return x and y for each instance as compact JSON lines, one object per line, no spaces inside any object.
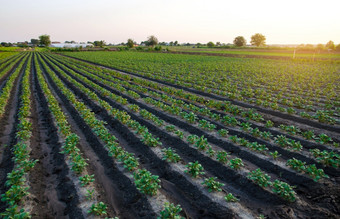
{"x":308,"y":90}
{"x":124,"y":146}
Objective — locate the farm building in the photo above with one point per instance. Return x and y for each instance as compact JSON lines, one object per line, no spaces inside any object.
{"x":71,"y":45}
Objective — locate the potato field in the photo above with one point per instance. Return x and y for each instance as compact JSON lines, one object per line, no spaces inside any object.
{"x":160,"y":135}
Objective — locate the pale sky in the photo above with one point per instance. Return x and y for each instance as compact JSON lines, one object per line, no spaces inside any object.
{"x":281,"y":21}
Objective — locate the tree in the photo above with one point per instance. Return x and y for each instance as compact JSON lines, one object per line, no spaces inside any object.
{"x":337,"y":48}
{"x":99,"y":43}
{"x":152,"y":41}
{"x":45,"y":40}
{"x":240,"y":41}
{"x":35,"y":42}
{"x":210,"y":44}
{"x":330,"y":45}
{"x":320,"y":47}
{"x":218,"y":43}
{"x":4,"y":44}
{"x":176,"y":43}
{"x":258,"y":40}
{"x":130,"y":43}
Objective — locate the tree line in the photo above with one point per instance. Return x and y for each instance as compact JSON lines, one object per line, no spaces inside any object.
{"x":257,"y":40}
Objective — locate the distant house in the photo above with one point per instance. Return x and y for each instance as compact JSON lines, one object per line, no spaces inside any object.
{"x":55,"y":42}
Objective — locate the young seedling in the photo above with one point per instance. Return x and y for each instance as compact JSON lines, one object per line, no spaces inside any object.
{"x":98,"y":209}
{"x":170,"y":128}
{"x":86,"y":179}
{"x":315,"y":173}
{"x":89,"y":194}
{"x":212,"y":184}
{"x":230,"y":198}
{"x":275,"y":154}
{"x":194,"y":169}
{"x":222,"y":156}
{"x":134,"y":108}
{"x":223,"y":132}
{"x":179,"y":134}
{"x":210,"y":151}
{"x":269,"y":124}
{"x":296,"y":164}
{"x":170,"y":155}
{"x":202,"y":143}
{"x":192,"y":139}
{"x":259,"y":178}
{"x":236,"y":163}
{"x":284,"y":190}
{"x":146,"y":182}
{"x":170,"y":211}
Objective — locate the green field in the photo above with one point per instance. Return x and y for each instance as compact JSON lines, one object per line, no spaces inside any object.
{"x":148,"y":135}
{"x":297,"y":87}
{"x":289,"y":52}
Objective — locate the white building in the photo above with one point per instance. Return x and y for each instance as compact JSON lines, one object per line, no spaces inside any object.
{"x":71,"y":45}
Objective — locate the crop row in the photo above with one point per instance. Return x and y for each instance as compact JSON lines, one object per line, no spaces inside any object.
{"x":6,"y":90}
{"x":17,"y":179}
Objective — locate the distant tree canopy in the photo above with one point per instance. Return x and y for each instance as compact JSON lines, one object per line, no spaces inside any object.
{"x":100,"y":43}
{"x":210,"y":44}
{"x":152,"y":41}
{"x":330,"y":45}
{"x":6,"y":44}
{"x":240,"y":41}
{"x":320,"y":46}
{"x":337,"y":48}
{"x":130,"y":43}
{"x":258,"y":40}
{"x":35,"y":42}
{"x":45,"y":40}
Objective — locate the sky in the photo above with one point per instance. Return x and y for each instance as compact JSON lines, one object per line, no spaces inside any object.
{"x":281,"y":21}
